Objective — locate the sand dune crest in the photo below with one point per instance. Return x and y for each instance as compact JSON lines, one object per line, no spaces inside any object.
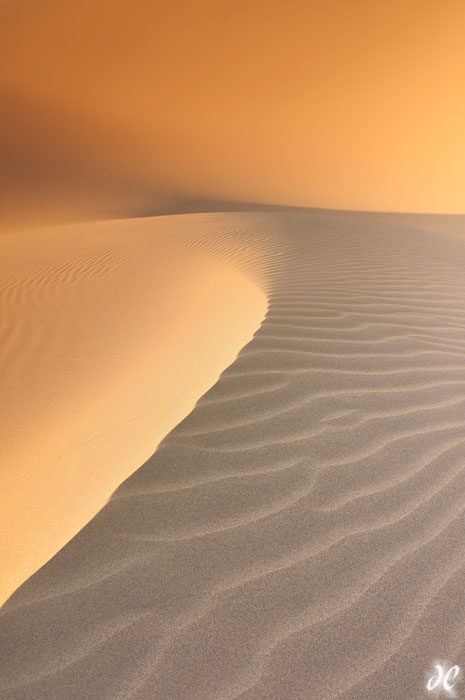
{"x":109,"y":334}
{"x":300,"y":533}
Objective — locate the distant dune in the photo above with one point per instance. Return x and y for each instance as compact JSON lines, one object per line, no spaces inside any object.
{"x":300,"y":534}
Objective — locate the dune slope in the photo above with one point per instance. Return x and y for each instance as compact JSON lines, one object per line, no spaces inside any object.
{"x":109,"y":334}
{"x":301,"y":533}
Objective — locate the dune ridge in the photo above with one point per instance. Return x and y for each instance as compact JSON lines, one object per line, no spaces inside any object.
{"x":109,"y":333}
{"x":300,"y":533}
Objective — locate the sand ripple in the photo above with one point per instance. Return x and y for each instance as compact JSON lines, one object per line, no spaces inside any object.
{"x":301,"y":533}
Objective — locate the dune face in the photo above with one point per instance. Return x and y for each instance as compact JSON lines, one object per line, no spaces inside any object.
{"x":232,"y":444}
{"x":110,"y":333}
{"x":301,"y":533}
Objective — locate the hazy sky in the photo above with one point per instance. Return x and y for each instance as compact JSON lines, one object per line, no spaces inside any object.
{"x":112,"y":107}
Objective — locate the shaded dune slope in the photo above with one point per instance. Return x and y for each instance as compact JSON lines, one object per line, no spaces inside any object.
{"x":301,"y":533}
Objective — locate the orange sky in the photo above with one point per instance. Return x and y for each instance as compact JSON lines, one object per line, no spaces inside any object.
{"x":121,"y":107}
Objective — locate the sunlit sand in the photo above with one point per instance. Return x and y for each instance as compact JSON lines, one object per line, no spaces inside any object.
{"x":110,"y":333}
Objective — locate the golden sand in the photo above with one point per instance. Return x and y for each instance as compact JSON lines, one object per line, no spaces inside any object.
{"x":109,"y":334}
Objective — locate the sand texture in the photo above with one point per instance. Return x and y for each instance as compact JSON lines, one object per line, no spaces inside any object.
{"x":300,"y":535}
{"x":109,"y":334}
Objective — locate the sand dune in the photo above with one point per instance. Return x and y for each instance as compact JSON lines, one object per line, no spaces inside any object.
{"x":300,"y":534}
{"x":109,"y":334}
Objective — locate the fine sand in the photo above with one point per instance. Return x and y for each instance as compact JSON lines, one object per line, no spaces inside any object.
{"x":109,"y":334}
{"x":300,"y":535}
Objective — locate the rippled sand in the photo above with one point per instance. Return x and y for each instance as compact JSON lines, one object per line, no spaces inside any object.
{"x":301,"y":533}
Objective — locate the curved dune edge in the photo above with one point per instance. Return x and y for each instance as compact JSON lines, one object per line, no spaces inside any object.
{"x":110,"y":333}
{"x":300,"y":533}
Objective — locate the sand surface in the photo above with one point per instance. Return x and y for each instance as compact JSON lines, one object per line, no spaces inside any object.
{"x":109,"y":334}
{"x":300,"y":535}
